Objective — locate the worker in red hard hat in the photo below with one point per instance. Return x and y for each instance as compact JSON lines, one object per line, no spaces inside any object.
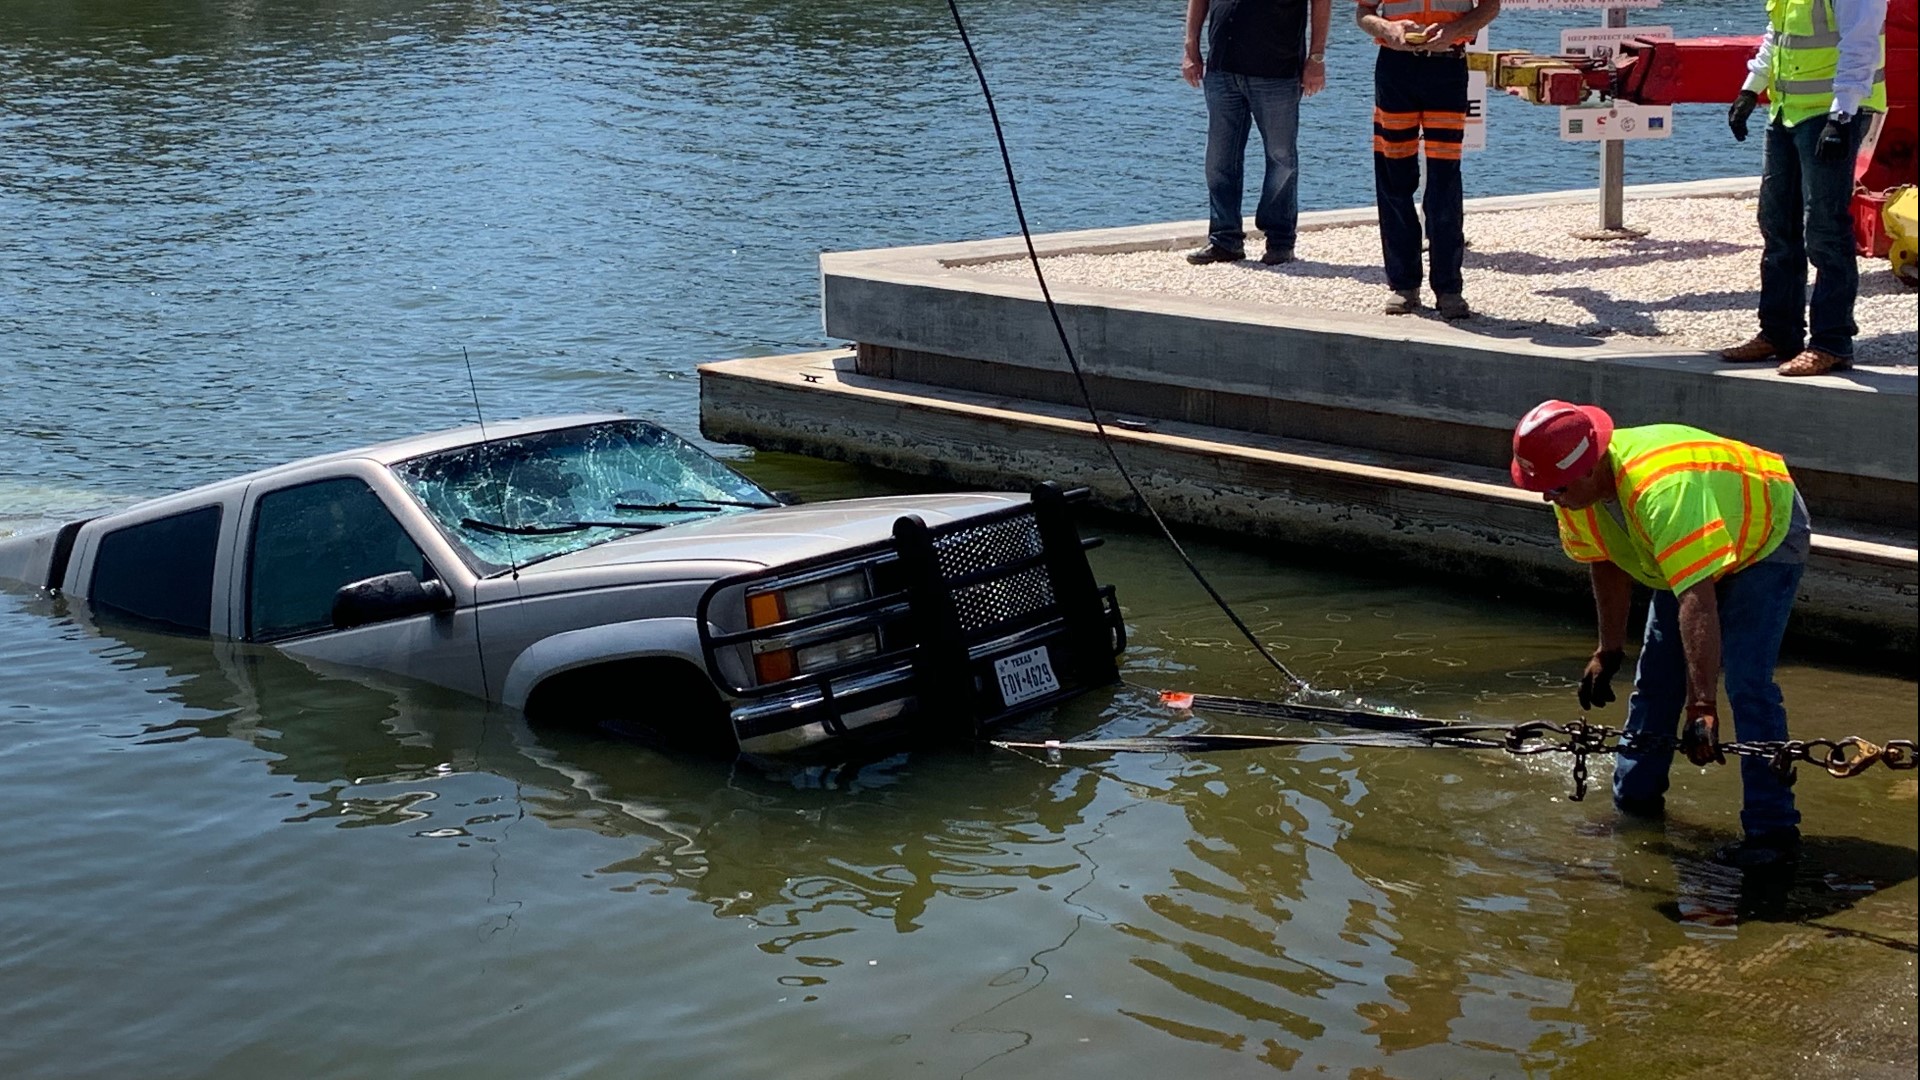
{"x":1718,"y":531}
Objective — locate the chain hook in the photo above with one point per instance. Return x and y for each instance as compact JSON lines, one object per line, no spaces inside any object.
{"x":1838,"y":764}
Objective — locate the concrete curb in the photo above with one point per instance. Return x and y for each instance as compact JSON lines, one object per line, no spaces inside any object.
{"x":1449,"y":519}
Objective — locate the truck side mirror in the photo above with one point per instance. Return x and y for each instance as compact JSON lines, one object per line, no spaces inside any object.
{"x":388,"y":596}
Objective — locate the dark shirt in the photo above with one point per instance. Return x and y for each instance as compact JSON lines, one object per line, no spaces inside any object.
{"x":1257,"y":37}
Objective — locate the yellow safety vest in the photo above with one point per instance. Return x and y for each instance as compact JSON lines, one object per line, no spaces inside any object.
{"x":1695,"y":506}
{"x":1806,"y":55}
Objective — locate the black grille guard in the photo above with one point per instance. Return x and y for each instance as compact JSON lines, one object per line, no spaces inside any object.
{"x":963,"y":585}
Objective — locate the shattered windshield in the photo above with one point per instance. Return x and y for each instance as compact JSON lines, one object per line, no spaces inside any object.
{"x":513,"y":501}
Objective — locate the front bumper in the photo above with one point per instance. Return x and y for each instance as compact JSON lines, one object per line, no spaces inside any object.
{"x":888,"y":701}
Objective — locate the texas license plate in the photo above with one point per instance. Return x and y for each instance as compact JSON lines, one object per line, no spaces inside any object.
{"x":1026,"y":675}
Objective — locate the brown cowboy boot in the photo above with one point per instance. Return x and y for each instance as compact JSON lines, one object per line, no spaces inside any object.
{"x":1814,"y":362}
{"x":1752,"y":352}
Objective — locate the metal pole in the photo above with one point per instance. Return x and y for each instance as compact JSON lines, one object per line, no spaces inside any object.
{"x":1613,"y":161}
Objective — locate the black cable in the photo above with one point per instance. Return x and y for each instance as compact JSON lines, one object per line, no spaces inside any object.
{"x":1013,"y":188}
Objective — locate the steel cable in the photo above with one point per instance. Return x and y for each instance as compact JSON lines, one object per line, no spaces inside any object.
{"x":1079,"y":378}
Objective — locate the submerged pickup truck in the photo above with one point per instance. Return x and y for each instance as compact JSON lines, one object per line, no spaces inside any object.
{"x":600,"y":569}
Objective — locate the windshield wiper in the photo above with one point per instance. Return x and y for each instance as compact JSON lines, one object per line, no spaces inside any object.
{"x":693,"y":506}
{"x":556,"y":528}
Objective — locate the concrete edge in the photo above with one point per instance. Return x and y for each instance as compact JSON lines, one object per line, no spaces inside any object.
{"x":829,"y":371}
{"x":1164,"y":235}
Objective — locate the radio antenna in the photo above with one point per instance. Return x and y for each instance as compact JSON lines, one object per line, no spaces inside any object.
{"x":513,"y":557}
{"x":513,"y":566}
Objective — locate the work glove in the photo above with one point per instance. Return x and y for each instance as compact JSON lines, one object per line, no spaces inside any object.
{"x":1737,"y":114}
{"x":1596,"y":683}
{"x":1700,"y":739}
{"x":1836,"y":142}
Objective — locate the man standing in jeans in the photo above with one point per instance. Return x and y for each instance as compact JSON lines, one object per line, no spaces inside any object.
{"x":1420,"y":90}
{"x":1717,"y":529}
{"x":1261,"y":58}
{"x":1823,"y":66}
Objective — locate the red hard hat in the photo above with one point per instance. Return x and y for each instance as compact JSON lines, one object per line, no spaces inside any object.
{"x":1557,"y":443}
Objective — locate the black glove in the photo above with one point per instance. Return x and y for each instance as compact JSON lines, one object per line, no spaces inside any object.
{"x":1836,"y":141}
{"x":1737,"y":113}
{"x":1700,"y":738}
{"x":1596,"y":683}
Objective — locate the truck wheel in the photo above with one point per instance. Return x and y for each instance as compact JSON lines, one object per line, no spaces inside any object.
{"x":664,"y":702}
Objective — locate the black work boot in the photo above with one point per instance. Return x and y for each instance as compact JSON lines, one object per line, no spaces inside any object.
{"x":1214,"y":253}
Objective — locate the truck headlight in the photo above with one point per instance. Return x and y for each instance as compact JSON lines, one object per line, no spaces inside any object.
{"x":798,"y":601}
{"x":831,"y":653}
{"x":777,"y":662}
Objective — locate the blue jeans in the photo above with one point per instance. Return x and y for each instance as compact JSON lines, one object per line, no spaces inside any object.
{"x":1235,"y":102}
{"x":1804,"y":218}
{"x":1753,"y":618}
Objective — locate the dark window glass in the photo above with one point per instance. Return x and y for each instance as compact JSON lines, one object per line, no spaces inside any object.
{"x":159,"y":573}
{"x":310,"y":540}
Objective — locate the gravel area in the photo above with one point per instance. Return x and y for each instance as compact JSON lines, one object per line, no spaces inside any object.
{"x":1691,"y":283}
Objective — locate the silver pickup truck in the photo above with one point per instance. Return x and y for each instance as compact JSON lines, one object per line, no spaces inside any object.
{"x":600,"y":569}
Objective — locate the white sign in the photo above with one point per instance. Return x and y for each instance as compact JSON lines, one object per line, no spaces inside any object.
{"x":1603,"y":43}
{"x":1605,"y":120}
{"x":1475,"y":137}
{"x":1574,"y":5}
{"x":1601,"y":121}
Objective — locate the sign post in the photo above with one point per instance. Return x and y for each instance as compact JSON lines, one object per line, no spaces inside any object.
{"x":1609,"y":123}
{"x":1613,"y":164}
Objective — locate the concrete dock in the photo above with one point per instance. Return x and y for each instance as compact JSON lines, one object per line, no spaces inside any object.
{"x":1342,"y":431}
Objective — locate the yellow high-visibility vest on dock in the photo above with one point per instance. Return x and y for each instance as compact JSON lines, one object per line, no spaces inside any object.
{"x":1806,"y":56}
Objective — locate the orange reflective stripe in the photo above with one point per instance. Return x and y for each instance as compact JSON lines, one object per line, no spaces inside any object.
{"x":1766,"y":501}
{"x":1440,"y":151}
{"x":1593,"y":530}
{"x":1746,"y":510}
{"x":1389,"y":149}
{"x":1396,"y":120}
{"x":1708,"y":444}
{"x":1674,"y":548}
{"x":1683,"y":575}
{"x":1647,"y":481}
{"x":1444,"y":121}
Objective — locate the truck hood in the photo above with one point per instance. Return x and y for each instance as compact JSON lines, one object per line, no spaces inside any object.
{"x":788,"y":534}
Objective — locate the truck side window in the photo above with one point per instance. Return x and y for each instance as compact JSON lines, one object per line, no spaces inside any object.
{"x":310,"y":540}
{"x":159,"y":573}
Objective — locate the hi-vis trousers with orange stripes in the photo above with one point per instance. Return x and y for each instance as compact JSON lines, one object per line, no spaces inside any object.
{"x":1416,"y":95}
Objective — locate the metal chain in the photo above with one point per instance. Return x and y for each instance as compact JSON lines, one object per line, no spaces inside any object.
{"x":1840,"y":758}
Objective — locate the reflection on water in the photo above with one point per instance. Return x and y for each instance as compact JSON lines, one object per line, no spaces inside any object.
{"x":1437,"y":912}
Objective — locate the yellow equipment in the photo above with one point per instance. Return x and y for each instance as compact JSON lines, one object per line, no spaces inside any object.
{"x":1902,"y":217}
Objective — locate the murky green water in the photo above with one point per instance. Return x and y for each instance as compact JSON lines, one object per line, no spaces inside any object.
{"x":239,"y":232}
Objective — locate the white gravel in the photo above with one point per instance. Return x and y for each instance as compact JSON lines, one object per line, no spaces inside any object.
{"x":1692,"y":282}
